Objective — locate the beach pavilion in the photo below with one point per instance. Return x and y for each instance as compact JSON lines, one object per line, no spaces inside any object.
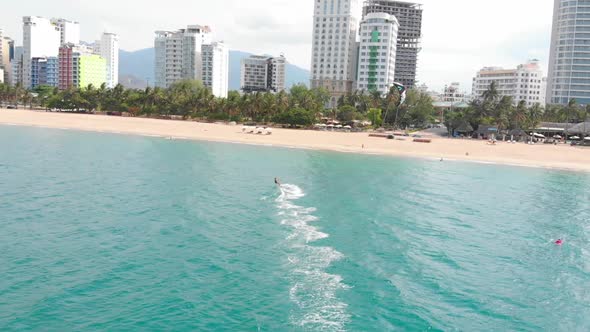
{"x":580,"y":129}
{"x":465,"y":130}
{"x":486,"y":131}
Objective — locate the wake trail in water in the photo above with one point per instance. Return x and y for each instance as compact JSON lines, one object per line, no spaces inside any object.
{"x":313,"y":290}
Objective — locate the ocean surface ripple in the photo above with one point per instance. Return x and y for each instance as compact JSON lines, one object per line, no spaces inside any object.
{"x":119,"y":233}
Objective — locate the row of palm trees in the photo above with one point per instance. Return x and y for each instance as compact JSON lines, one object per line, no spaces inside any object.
{"x":502,"y":112}
{"x":190,"y":99}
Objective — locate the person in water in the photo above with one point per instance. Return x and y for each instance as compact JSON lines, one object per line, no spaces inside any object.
{"x":559,"y":242}
{"x":277,"y":182}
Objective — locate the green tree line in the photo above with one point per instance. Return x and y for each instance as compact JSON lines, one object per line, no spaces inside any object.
{"x":191,"y":100}
{"x":501,"y":111}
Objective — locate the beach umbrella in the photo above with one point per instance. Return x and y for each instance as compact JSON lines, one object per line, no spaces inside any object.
{"x":587,"y":138}
{"x":347,"y":127}
{"x":575,"y":138}
{"x":339,"y":126}
{"x":557,"y":137}
{"x":538,"y":135}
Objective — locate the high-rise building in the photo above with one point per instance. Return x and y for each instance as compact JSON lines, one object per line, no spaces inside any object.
{"x":216,"y":68}
{"x":178,"y":54}
{"x":41,"y":38}
{"x":92,"y":69}
{"x":525,"y":83}
{"x":17,"y":67}
{"x":79,"y":67}
{"x":409,"y":16}
{"x":277,"y":73}
{"x":377,"y":52}
{"x":69,"y":31}
{"x":569,"y":59}
{"x":261,"y":73}
{"x":6,"y":55}
{"x":334,"y":46}
{"x":108,"y":48}
{"x":44,"y":71}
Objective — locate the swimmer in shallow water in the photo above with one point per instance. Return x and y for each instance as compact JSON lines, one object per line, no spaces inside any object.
{"x":277,"y":182}
{"x":559,"y":242}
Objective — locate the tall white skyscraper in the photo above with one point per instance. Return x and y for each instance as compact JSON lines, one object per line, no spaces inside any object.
{"x":178,"y":54}
{"x":216,"y":68}
{"x":377,"y":52}
{"x":569,"y":62}
{"x":69,"y":31}
{"x":409,"y":16}
{"x":108,"y":48}
{"x":41,"y":38}
{"x":334,"y":46}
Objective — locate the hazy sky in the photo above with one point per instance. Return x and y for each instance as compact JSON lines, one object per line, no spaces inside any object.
{"x":460,"y":36}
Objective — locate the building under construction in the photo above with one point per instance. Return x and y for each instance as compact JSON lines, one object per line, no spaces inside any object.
{"x":409,"y":16}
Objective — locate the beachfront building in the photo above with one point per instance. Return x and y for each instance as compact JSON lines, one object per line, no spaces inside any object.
{"x":216,"y":68}
{"x":263,"y":74}
{"x":41,"y":38}
{"x":409,"y":16}
{"x":6,"y":56}
{"x":334,"y":47}
{"x":569,"y":60}
{"x":377,"y":52}
{"x":108,"y":48}
{"x":524,"y":83}
{"x":79,"y":67}
{"x":92,"y":70}
{"x":178,"y":54}
{"x":16,"y":67}
{"x":45,"y":72}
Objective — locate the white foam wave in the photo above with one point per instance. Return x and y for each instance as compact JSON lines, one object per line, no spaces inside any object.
{"x":314,"y":291}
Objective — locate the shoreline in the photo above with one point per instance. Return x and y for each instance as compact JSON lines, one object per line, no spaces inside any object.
{"x":561,"y":157}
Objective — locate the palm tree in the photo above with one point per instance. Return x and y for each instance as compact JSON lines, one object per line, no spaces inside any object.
{"x":534,"y":115}
{"x":520,"y":115}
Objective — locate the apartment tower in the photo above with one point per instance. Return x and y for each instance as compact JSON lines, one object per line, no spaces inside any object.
{"x":409,"y":16}
{"x":41,"y":38}
{"x":263,"y":74}
{"x":569,"y":59}
{"x":216,"y":68}
{"x":377,"y":52}
{"x":6,"y":56}
{"x":108,"y":48}
{"x":178,"y":54}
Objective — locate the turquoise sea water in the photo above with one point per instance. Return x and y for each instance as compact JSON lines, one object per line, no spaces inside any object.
{"x":119,"y":233}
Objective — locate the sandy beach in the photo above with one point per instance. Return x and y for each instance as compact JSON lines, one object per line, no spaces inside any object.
{"x":540,"y":155}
